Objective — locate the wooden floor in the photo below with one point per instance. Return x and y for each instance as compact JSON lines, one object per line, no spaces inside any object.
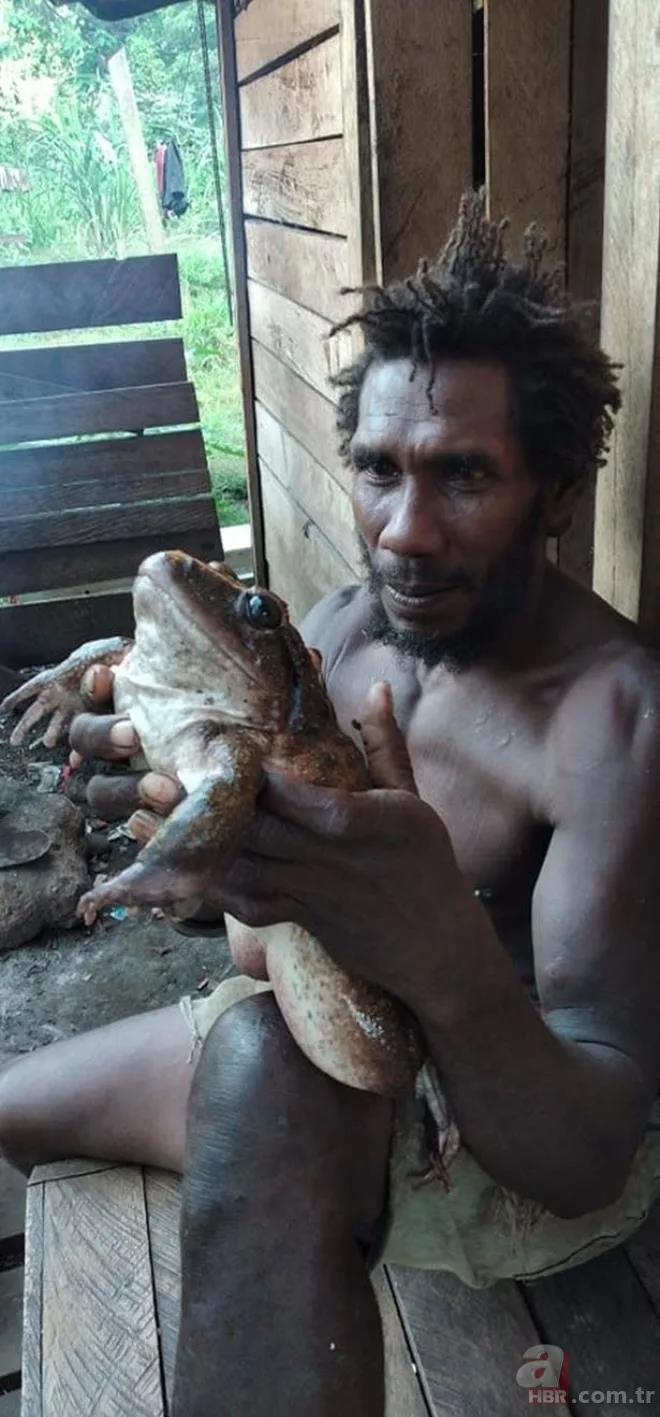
{"x":12,"y":1224}
{"x":108,"y":1294}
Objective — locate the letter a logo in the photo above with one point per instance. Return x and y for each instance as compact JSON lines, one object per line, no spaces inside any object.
{"x":545,"y":1366}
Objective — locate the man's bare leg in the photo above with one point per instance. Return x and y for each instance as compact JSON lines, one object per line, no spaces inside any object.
{"x":285,"y":1170}
{"x":119,"y":1093}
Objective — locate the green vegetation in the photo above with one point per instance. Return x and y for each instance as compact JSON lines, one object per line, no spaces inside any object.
{"x":60,"y":126}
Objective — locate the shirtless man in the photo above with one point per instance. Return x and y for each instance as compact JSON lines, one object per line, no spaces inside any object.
{"x":512,"y":904}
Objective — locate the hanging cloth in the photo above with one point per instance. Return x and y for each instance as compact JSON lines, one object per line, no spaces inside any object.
{"x":174,"y":198}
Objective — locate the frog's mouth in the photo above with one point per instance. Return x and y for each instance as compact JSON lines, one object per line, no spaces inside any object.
{"x":202,"y":610}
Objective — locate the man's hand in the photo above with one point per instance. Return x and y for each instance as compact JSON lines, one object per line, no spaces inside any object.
{"x":364,"y":872}
{"x":144,"y":797}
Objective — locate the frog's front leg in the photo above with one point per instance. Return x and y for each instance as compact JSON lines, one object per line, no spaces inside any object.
{"x":178,"y":869}
{"x":57,"y":691}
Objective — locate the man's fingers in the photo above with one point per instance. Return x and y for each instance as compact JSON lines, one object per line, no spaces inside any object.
{"x":160,"y":793}
{"x":384,"y":743}
{"x":97,"y":686}
{"x":114,"y":798}
{"x":144,"y":824}
{"x":106,"y":736}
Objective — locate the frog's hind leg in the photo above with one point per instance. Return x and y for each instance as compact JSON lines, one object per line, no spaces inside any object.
{"x":180,"y":865}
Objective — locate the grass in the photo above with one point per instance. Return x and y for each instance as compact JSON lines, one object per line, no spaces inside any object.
{"x":212,"y":355}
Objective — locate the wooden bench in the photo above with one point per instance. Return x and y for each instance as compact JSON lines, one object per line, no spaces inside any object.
{"x":102,"y":459}
{"x":102,"y":1303}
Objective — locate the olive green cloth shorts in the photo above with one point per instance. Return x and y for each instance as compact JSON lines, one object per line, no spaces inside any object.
{"x":477,"y":1230}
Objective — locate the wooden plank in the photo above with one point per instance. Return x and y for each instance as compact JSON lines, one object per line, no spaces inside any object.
{"x":601,"y":1316}
{"x":11,"y":1320}
{"x":421,"y":56}
{"x":64,"y":1170}
{"x":232,"y":136}
{"x":61,"y":369}
{"x":102,"y":459}
{"x":527,"y":65}
{"x":644,"y":1254}
{"x":46,"y":633}
{"x":130,"y":487}
{"x":300,"y":101}
{"x":630,"y":290}
{"x":303,"y":565}
{"x":303,"y":265}
{"x":110,"y":411}
{"x":163,"y":1196}
{"x":66,"y":566}
{"x":32,"y":1304}
{"x":12,"y":1201}
{"x":78,"y":295}
{"x":176,"y":515}
{"x":308,"y":416}
{"x":267,"y":31}
{"x":585,"y":222}
{"x":403,"y":1394}
{"x":467,"y":1343}
{"x":310,"y":485}
{"x":297,"y":336}
{"x":300,"y":183}
{"x":360,"y":148}
{"x":100,"y":1345}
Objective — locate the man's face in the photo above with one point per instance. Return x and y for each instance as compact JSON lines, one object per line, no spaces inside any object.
{"x":451,"y":522}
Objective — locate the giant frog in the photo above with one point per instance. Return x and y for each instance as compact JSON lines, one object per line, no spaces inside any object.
{"x":221,"y":689}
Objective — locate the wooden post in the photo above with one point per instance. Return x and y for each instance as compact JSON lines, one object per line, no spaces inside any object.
{"x":626,"y":564}
{"x":122,"y":83}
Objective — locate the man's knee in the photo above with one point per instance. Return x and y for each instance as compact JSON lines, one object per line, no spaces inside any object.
{"x":259,"y":1109}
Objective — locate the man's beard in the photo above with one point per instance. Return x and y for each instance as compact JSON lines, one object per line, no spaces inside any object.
{"x":500,"y":602}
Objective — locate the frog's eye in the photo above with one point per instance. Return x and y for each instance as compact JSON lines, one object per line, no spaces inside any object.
{"x":262,"y":612}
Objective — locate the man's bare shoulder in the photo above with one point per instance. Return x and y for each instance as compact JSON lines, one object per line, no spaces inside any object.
{"x":335,"y":621}
{"x":607,"y":722}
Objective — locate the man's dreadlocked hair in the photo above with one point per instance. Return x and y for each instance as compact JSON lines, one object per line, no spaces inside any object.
{"x":474,"y":303}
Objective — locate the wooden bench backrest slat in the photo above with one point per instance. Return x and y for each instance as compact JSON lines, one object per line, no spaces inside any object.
{"x":111,"y":411}
{"x":102,"y":459}
{"x":126,"y":488}
{"x":71,"y":566}
{"x":79,"y":295}
{"x":79,"y":507}
{"x":47,"y":632}
{"x":83,"y":368}
{"x":106,"y":523}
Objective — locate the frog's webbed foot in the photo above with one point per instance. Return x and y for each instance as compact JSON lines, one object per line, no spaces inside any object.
{"x":444,"y":1136}
{"x":57,"y":691}
{"x":180,"y":867}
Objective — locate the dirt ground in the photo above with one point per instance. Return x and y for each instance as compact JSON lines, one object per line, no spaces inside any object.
{"x":68,"y":981}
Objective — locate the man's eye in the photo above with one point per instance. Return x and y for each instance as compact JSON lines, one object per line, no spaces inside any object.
{"x":465,"y":473}
{"x":380,"y":470}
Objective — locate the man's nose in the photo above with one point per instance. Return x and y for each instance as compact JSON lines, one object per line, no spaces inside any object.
{"x":416,"y":525}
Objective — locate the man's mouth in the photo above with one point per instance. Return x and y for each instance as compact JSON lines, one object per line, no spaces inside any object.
{"x":420,"y":597}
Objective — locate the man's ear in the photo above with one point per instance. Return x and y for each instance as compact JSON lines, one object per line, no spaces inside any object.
{"x":561,"y":500}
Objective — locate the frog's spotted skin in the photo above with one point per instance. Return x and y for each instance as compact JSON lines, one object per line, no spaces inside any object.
{"x":220,"y":688}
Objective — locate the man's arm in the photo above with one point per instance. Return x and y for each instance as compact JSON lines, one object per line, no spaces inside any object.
{"x":554,"y":1104}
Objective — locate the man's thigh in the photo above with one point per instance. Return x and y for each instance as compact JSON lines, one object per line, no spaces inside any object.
{"x":119,"y":1093}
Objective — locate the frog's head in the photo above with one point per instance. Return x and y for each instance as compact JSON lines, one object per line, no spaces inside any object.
{"x":200,"y":631}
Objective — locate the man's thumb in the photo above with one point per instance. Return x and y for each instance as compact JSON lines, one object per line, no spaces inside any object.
{"x":384,"y":743}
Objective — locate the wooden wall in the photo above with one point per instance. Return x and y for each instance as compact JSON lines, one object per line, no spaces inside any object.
{"x":357,"y":125}
{"x":627,"y":569}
